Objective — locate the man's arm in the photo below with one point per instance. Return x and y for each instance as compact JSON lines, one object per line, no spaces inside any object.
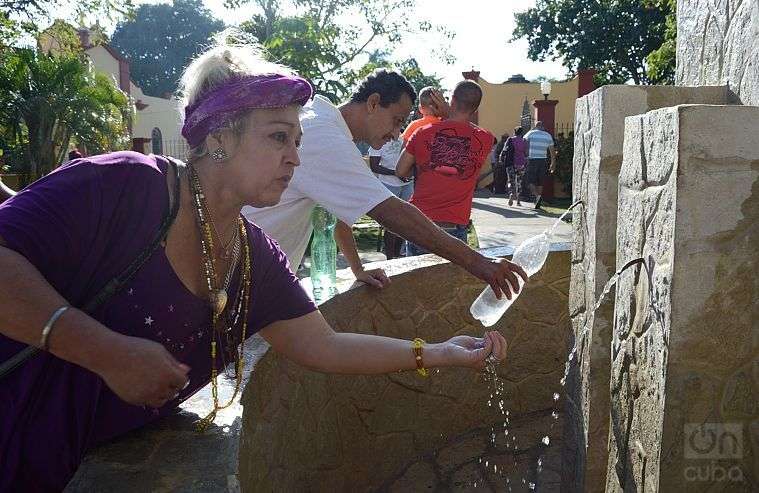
{"x":407,"y":221}
{"x":376,"y":167}
{"x":347,"y":244}
{"x":405,"y":164}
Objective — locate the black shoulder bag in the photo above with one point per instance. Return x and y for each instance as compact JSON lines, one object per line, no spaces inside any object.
{"x":117,"y":283}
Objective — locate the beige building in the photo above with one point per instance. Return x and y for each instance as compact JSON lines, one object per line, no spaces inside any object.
{"x":157,"y":123}
{"x":502,"y":104}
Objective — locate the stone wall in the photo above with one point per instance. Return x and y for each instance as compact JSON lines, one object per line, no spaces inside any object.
{"x":718,"y":43}
{"x":306,"y":431}
{"x":599,"y":132}
{"x":686,"y":332}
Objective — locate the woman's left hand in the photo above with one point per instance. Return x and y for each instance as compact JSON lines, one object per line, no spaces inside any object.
{"x":473,"y":352}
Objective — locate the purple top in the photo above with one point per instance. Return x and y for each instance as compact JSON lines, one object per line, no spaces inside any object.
{"x":80,"y":226}
{"x":520,"y":144}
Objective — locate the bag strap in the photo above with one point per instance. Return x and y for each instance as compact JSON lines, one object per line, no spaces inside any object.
{"x":114,"y":285}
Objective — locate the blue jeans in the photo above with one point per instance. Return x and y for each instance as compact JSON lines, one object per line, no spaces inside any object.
{"x":459,"y":232}
{"x":403,"y":192}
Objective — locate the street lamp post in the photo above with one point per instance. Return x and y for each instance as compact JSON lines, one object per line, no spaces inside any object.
{"x":545,"y":89}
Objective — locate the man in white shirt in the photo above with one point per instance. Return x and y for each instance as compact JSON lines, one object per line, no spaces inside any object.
{"x":541,"y":147}
{"x":334,"y":175}
{"x":383,"y":162}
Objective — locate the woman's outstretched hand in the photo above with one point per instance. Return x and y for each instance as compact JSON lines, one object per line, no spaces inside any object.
{"x":473,"y":352}
{"x":143,"y":373}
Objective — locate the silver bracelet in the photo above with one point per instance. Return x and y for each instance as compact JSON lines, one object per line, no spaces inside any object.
{"x":49,"y":327}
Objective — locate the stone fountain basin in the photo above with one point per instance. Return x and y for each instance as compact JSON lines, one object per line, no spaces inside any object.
{"x":307,"y":431}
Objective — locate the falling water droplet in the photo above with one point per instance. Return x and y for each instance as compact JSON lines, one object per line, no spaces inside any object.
{"x":555,"y":415}
{"x":556,"y":396}
{"x":532,"y":486}
{"x":495,"y":468}
{"x":546,"y":440}
{"x":486,"y":463}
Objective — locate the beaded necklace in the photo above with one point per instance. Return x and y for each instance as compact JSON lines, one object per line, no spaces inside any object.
{"x":218,"y":296}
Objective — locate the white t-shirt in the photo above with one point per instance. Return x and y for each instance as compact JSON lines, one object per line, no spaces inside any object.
{"x":332,"y":173}
{"x":389,"y":155}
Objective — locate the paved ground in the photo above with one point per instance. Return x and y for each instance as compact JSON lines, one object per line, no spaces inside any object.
{"x":498,"y":224}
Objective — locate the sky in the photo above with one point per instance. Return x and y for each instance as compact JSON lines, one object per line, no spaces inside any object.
{"x":483,"y":29}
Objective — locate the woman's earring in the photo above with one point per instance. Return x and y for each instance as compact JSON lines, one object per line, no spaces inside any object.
{"x":219,"y":155}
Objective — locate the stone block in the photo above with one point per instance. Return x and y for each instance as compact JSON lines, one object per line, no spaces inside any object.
{"x":599,"y":133}
{"x":304,"y":431}
{"x":718,"y":43}
{"x":685,"y":348}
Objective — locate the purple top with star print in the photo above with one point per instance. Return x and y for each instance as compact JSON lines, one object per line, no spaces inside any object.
{"x":80,"y":226}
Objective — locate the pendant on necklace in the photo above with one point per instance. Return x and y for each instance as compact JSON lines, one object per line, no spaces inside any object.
{"x":218,"y":301}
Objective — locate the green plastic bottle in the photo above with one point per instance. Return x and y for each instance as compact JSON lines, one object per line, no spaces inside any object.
{"x":323,"y":254}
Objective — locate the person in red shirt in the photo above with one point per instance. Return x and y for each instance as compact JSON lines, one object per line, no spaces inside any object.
{"x":448,"y":156}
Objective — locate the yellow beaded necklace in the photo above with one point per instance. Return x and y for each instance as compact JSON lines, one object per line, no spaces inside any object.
{"x":218,"y":296}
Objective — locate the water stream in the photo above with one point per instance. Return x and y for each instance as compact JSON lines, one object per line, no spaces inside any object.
{"x":497,"y":396}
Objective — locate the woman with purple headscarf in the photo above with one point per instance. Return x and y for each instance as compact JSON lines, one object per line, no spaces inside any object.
{"x":127,"y":282}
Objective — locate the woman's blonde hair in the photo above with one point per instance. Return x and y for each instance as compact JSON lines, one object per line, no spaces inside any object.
{"x":232,"y":54}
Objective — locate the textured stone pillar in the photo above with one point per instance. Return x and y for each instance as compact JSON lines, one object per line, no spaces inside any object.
{"x":599,"y":129}
{"x":718,"y":43}
{"x":685,"y":350}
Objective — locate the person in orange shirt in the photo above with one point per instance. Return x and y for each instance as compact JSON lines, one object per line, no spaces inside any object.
{"x":433,"y":108}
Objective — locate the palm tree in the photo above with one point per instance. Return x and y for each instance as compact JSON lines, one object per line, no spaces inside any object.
{"x":48,"y":100}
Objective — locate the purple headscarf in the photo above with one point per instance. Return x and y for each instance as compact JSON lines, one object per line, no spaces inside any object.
{"x":214,"y":108}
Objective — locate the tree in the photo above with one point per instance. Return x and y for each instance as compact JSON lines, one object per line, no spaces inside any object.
{"x":327,"y":40}
{"x":662,"y":61}
{"x":19,"y":17}
{"x":409,"y":68}
{"x":50,"y":100}
{"x":161,"y":39}
{"x":612,"y":36}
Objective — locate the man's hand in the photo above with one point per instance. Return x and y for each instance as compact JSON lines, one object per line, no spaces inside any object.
{"x":500,"y":274}
{"x":373,"y":277}
{"x":142,"y":372}
{"x":439,"y":104}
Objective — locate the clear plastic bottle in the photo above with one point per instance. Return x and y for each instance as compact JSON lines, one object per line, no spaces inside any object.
{"x":323,"y":254}
{"x":530,"y":255}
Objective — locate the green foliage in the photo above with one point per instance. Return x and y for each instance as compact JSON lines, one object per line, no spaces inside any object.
{"x":20,"y":17}
{"x":408,"y":68}
{"x":662,"y":61}
{"x":612,"y":36}
{"x":327,"y":39}
{"x":565,"y":151}
{"x":50,"y":101}
{"x":161,"y":39}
